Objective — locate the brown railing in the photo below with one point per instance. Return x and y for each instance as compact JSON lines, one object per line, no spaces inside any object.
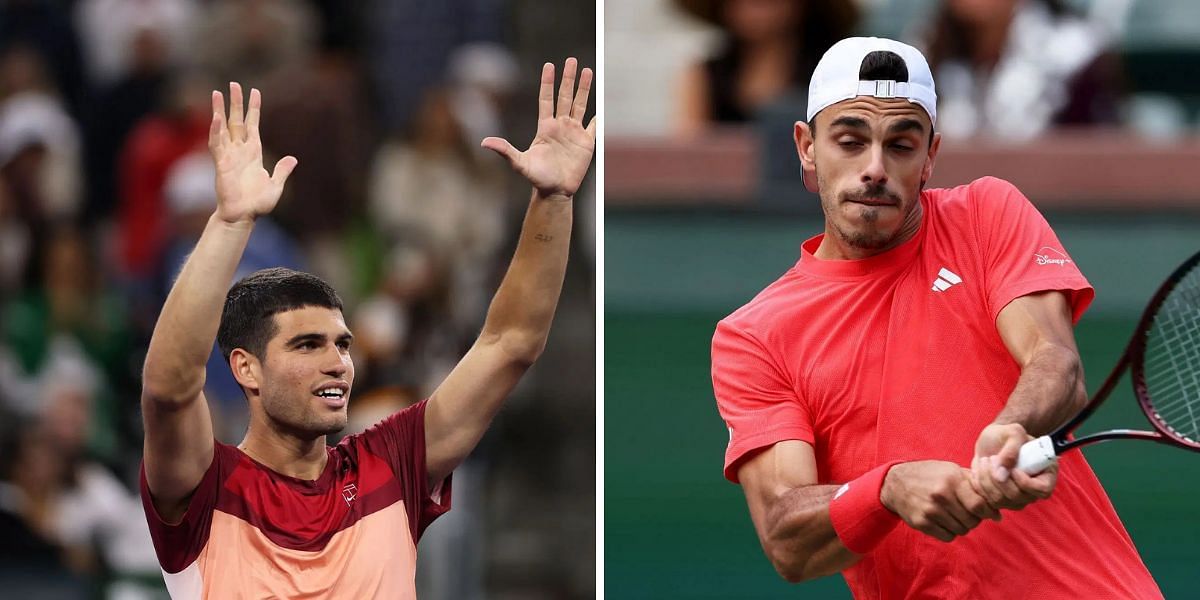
{"x":1080,"y":169}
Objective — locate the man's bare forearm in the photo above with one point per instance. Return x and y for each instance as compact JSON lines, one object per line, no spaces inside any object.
{"x":523,"y":308}
{"x":1049,"y":391}
{"x":187,"y":326}
{"x":799,"y":537}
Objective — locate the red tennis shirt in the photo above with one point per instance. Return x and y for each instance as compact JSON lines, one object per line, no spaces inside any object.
{"x":250,"y":532}
{"x":897,"y":357}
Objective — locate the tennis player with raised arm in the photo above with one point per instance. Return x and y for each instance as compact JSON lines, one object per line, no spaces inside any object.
{"x":877,"y":394}
{"x":283,"y":515}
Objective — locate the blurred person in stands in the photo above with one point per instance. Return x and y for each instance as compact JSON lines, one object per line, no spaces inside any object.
{"x":66,"y":323}
{"x":769,"y":50}
{"x":44,"y":26}
{"x":156,"y":142}
{"x":257,"y":38}
{"x":39,"y":141}
{"x":298,"y":517}
{"x":1014,"y":68}
{"x":73,"y":503}
{"x":437,"y":187}
{"x":113,"y":34}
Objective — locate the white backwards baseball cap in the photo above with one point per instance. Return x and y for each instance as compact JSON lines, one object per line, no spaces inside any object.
{"x":836,"y":76}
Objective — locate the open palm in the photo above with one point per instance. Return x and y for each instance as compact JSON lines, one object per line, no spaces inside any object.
{"x":561,"y":151}
{"x":245,"y":190}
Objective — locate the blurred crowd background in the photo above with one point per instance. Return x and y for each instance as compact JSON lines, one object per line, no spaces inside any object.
{"x":105,"y":184}
{"x":1091,"y":107}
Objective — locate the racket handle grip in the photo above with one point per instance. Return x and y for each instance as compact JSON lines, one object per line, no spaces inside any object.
{"x":1037,"y":455}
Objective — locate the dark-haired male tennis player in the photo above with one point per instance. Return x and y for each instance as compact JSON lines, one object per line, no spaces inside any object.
{"x":878,"y":392}
{"x":282,"y":515}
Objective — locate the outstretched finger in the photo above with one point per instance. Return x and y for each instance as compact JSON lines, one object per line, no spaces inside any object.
{"x":502,"y":147}
{"x":216,"y":130}
{"x":566,"y":90}
{"x":581,"y":96}
{"x":236,"y":131}
{"x":546,"y":93}
{"x":253,"y":114}
{"x":283,"y":169}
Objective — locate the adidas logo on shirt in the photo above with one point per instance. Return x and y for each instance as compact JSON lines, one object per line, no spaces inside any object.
{"x":946,"y":278}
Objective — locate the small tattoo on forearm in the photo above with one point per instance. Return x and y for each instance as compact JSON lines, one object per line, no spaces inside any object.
{"x":541,"y":237}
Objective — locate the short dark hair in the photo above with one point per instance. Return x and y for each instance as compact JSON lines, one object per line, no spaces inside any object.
{"x":880,"y":65}
{"x":247,"y":319}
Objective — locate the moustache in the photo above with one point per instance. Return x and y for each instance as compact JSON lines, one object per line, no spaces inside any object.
{"x":877,"y":192}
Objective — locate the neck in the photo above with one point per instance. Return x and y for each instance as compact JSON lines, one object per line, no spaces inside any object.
{"x":833,"y":247}
{"x":285,"y":454}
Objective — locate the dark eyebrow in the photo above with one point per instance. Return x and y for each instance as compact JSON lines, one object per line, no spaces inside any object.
{"x":906,"y":125}
{"x":852,"y":122}
{"x":319,"y":338}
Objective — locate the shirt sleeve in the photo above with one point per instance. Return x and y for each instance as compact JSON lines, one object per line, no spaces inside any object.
{"x":179,"y":544}
{"x":1021,"y":253}
{"x":400,"y":440}
{"x":754,"y":397}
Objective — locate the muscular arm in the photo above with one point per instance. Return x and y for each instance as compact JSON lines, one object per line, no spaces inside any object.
{"x":1037,"y":331}
{"x":791,"y":512}
{"x":518,"y":321}
{"x":178,"y":445}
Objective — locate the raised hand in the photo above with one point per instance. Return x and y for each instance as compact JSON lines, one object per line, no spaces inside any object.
{"x":245,"y":190}
{"x":560,"y":153}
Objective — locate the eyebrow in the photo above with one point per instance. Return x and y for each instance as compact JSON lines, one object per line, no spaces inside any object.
{"x":905,"y":125}
{"x":851,"y":122}
{"x":320,"y":338}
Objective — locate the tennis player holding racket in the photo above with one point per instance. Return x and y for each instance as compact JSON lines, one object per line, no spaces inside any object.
{"x":878,"y":393}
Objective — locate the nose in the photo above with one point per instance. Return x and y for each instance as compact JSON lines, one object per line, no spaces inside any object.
{"x":337,"y":363}
{"x":875,"y":174}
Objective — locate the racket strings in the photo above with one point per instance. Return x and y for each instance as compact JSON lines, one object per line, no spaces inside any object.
{"x":1171,"y":362}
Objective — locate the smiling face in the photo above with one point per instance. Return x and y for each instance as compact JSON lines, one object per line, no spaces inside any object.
{"x":870,"y":159}
{"x":302,"y":385}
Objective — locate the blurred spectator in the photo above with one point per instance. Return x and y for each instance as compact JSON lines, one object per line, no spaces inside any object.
{"x":482,"y":77}
{"x":39,"y":141}
{"x":71,"y":502}
{"x":256,"y":37}
{"x":136,"y":91}
{"x":155,"y":143}
{"x":114,"y":34}
{"x":45,"y":27}
{"x":1013,"y":68}
{"x":411,"y":340}
{"x":411,"y":42}
{"x":66,"y":325}
{"x":438,"y":186}
{"x":769,"y":50}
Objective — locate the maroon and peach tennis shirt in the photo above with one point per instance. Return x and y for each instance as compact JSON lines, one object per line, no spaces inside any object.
{"x":250,"y":532}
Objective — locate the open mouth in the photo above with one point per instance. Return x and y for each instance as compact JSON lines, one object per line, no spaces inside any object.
{"x":335,"y":396}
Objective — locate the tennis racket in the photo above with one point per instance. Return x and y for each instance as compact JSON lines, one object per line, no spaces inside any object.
{"x":1164,"y":358}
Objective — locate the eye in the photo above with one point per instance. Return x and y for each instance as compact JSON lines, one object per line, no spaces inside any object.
{"x":307,"y":346}
{"x":850,"y":144}
{"x":902,"y":147}
{"x":343,"y":344}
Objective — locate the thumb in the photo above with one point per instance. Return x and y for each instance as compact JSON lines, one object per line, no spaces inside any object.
{"x":283,"y":169}
{"x":1006,"y":458}
{"x":502,"y":147}
{"x":591,"y":127}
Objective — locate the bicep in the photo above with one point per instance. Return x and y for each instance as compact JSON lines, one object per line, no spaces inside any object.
{"x":178,"y":449}
{"x":462,"y":407}
{"x":771,"y":473}
{"x":1034,"y":320}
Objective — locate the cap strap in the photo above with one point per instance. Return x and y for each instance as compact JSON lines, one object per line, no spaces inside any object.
{"x":883,"y":88}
